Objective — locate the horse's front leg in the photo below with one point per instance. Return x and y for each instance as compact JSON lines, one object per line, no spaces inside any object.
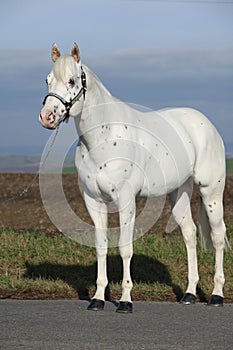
{"x":98,"y":213}
{"x":127,"y":220}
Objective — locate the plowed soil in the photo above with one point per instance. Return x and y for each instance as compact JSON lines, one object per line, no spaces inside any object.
{"x":27,"y":212}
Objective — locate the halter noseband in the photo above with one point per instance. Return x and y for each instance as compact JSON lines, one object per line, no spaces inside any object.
{"x":69,"y":104}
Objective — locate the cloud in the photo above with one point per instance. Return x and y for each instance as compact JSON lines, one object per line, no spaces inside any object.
{"x":153,"y":77}
{"x":154,"y":63}
{"x":22,"y":65}
{"x":158,"y":78}
{"x":147,"y":65}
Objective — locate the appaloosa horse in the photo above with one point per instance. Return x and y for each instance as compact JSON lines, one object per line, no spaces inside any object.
{"x":125,"y":153}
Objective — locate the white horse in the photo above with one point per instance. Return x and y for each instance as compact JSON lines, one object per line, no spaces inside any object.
{"x":126,"y":153}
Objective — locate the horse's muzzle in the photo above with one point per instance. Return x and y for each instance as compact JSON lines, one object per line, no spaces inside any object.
{"x":47,"y":118}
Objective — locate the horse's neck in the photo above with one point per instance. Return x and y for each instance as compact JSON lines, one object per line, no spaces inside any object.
{"x":97,"y":99}
{"x":96,"y":91}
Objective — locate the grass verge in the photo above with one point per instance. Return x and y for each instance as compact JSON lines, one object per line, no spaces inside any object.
{"x":38,"y":266}
{"x":229,"y":165}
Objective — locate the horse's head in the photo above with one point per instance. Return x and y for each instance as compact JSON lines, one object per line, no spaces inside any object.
{"x":66,"y":88}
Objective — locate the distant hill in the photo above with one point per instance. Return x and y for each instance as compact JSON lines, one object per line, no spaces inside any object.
{"x":19,"y":163}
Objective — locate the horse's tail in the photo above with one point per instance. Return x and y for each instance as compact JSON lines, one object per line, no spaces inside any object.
{"x":205,"y":230}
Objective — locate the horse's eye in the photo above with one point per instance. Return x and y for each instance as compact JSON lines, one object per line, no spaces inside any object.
{"x":71,"y":82}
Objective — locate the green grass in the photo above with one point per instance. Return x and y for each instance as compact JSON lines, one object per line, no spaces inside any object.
{"x":69,"y":170}
{"x":35,"y":265}
{"x":229,"y":165}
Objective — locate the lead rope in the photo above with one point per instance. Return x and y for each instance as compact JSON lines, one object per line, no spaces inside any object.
{"x":27,"y":188}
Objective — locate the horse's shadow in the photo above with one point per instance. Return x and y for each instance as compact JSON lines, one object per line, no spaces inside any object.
{"x":80,"y":277}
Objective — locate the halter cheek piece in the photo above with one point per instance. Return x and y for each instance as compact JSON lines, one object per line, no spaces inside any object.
{"x":69,"y":104}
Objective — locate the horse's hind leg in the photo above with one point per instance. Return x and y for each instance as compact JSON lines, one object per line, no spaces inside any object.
{"x":181,"y":210}
{"x":209,"y":176}
{"x":212,"y":197}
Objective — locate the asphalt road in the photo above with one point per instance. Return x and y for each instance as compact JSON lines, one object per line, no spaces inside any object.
{"x":58,"y":325}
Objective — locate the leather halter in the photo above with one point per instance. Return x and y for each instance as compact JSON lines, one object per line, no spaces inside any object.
{"x":69,"y":104}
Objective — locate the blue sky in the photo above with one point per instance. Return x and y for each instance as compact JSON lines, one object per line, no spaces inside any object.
{"x":154,"y":53}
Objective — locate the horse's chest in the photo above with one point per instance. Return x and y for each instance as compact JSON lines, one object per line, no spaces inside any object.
{"x":86,"y":172}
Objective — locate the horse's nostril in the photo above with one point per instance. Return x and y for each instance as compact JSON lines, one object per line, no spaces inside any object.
{"x":50,"y":117}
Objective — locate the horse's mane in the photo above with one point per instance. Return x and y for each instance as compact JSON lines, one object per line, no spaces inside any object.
{"x":97,"y":80}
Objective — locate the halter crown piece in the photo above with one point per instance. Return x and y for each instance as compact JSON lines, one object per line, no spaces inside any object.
{"x":69,"y":104}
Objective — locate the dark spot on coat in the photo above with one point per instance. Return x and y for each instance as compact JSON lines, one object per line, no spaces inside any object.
{"x":114,"y":144}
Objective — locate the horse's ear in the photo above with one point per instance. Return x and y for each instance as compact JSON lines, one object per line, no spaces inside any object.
{"x":75,"y":53}
{"x":55,"y":52}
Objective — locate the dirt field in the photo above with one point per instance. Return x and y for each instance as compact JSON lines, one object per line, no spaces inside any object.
{"x":27,"y":213}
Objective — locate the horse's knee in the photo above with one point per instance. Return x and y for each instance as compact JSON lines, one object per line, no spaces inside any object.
{"x":101,"y":252}
{"x":126,"y":251}
{"x":190,"y":236}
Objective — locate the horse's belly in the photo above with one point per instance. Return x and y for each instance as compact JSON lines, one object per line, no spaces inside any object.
{"x":162,"y":184}
{"x":166,"y":172}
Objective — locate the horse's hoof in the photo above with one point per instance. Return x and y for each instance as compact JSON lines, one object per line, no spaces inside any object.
{"x":125,"y":307}
{"x":96,"y":305}
{"x":216,"y":300}
{"x":188,"y":299}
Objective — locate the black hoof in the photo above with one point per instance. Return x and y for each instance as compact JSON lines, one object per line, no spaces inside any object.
{"x":215,"y":300}
{"x":96,"y":305}
{"x":188,"y":299}
{"x":125,"y":307}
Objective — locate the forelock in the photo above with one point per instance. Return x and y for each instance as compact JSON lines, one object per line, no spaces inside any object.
{"x":64,"y":67}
